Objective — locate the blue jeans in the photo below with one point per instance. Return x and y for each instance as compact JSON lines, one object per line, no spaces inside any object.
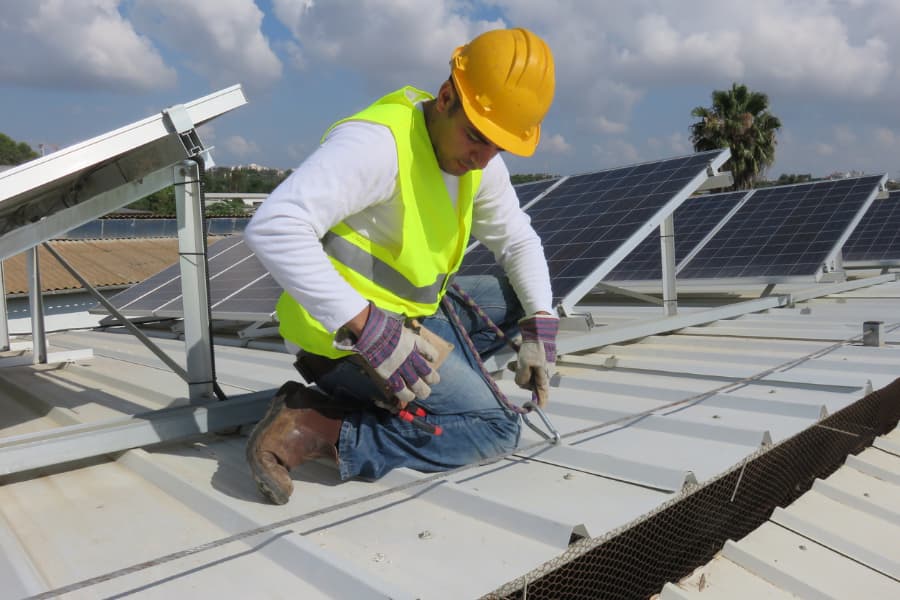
{"x":475,"y":424}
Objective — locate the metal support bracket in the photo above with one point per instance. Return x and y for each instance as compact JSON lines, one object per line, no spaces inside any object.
{"x":194,"y":295}
{"x":667,"y":258}
{"x":36,"y":307}
{"x":716,"y":181}
{"x":140,"y":335}
{"x":258,"y":329}
{"x":615,"y":289}
{"x":4,"y":315}
{"x":178,"y":118}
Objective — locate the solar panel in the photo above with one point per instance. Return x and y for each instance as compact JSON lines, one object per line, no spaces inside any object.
{"x":532,"y":189}
{"x":876,"y":240}
{"x":590,"y":222}
{"x":48,"y":196}
{"x":785,"y":232}
{"x":694,"y":220}
{"x":232,"y":268}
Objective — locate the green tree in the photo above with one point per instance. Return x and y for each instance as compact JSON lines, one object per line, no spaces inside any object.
{"x":738,"y":119}
{"x":528,"y":177}
{"x":790,"y":178}
{"x":161,"y":203}
{"x":227,"y":208}
{"x":13,"y":152}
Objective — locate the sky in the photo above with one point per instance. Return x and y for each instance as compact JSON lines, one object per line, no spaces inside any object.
{"x":628,"y":73}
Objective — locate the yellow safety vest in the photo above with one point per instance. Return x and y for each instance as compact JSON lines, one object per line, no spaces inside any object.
{"x":409,"y":279}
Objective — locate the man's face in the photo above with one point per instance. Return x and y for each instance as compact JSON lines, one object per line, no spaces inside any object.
{"x":458,"y":145}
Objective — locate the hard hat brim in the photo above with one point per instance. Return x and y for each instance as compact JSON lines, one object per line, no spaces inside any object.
{"x":497,"y":135}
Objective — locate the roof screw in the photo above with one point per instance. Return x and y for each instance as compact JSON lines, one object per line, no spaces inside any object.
{"x":568,"y":476}
{"x":425,"y":535}
{"x":802,"y":547}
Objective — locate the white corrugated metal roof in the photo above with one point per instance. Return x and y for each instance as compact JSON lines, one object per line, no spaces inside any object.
{"x":839,"y":540}
{"x":640,"y":421}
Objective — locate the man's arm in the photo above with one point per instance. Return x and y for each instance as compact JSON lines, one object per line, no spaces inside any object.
{"x":506,"y":230}
{"x":354,"y":169}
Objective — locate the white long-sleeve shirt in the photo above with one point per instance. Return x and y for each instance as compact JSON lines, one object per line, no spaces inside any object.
{"x":353,"y":177}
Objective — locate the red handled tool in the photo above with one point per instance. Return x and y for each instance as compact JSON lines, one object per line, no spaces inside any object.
{"x":416,"y":416}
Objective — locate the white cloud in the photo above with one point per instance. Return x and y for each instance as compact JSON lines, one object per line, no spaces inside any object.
{"x":77,"y":44}
{"x":603,"y":125}
{"x":389,"y":42}
{"x":803,"y":46}
{"x":662,"y":51}
{"x":844,"y":135}
{"x":804,"y":50}
{"x":678,"y":143}
{"x":823,"y":149}
{"x":220,"y":39}
{"x":294,"y":53}
{"x":556,"y":144}
{"x":614,"y":153}
{"x":241,"y":147}
{"x":886,"y":137}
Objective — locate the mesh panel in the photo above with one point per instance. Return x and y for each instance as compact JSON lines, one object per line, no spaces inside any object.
{"x":685,"y":533}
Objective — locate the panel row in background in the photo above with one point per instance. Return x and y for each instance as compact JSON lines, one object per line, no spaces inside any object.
{"x":588,"y":223}
{"x":775,"y":234}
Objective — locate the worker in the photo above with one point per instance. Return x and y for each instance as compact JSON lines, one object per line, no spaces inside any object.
{"x":367,"y":234}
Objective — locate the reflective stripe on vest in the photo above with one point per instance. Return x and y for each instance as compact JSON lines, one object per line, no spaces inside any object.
{"x":373,"y":268}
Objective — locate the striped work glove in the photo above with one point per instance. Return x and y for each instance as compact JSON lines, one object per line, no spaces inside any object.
{"x":397,"y":355}
{"x":537,"y":355}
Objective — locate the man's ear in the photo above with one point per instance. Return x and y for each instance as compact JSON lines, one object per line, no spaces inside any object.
{"x":445,"y":96}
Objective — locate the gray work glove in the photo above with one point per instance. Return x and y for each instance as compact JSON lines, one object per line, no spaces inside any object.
{"x":396,"y":354}
{"x":537,"y":355}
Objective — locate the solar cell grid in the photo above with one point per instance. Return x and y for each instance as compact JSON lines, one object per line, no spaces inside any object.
{"x":877,"y":238}
{"x":786,"y":231}
{"x":588,"y":217}
{"x":479,"y":257}
{"x":163,"y":290}
{"x":693,"y":221}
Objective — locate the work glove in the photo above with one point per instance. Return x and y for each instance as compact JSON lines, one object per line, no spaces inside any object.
{"x":537,"y":355}
{"x":396,"y":354}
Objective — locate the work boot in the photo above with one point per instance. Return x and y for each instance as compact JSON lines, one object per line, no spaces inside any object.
{"x":294,"y":430}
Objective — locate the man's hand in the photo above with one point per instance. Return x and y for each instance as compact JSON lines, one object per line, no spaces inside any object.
{"x":537,"y":355}
{"x":396,"y":354}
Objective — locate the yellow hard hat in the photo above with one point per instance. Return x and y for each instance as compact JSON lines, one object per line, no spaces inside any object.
{"x":505,"y":80}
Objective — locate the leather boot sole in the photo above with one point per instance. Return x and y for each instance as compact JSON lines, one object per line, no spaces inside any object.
{"x":268,"y":485}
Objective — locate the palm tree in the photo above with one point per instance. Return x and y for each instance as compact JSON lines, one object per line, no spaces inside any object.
{"x":739,"y":119}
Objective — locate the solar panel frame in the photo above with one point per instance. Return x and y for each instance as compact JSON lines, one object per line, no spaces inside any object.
{"x":637,"y":199}
{"x":50,"y":195}
{"x":769,"y":224}
{"x":876,"y":240}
